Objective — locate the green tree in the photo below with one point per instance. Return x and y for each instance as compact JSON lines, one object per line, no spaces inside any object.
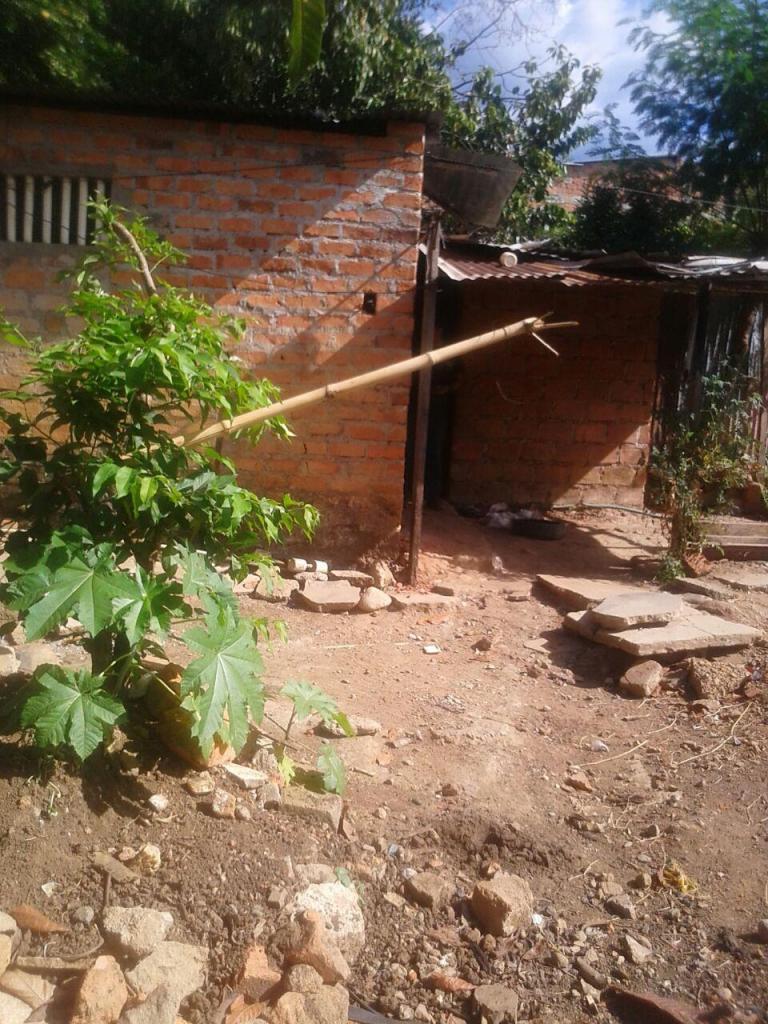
{"x":336,"y":59}
{"x":703,"y":92}
{"x":537,"y":122}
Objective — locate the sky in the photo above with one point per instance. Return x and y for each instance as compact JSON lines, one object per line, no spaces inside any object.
{"x":590,"y":29}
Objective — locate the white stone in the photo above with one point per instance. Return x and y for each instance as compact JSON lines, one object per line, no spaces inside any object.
{"x":13,"y":1010}
{"x":137,"y":931}
{"x":642,"y":609}
{"x":247,"y":778}
{"x":178,"y":966}
{"x":373,"y":600}
{"x":340,"y":908}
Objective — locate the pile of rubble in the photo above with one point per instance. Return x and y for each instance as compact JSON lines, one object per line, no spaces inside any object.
{"x":316,"y":587}
{"x":143,"y":977}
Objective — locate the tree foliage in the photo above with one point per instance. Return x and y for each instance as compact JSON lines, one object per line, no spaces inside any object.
{"x":537,"y":122}
{"x":335,"y":59}
{"x":703,"y":92}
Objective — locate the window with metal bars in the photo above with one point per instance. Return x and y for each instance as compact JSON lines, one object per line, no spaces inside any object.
{"x":49,"y":208}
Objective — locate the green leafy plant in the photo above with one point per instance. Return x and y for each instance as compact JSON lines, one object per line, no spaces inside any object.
{"x":706,"y":454}
{"x":309,"y":700}
{"x":122,"y":527}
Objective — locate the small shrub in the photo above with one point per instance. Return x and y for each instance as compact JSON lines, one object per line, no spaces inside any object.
{"x":121,"y":527}
{"x":707,"y":453}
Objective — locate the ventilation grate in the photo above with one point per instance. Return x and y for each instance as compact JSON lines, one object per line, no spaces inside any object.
{"x":49,"y":209}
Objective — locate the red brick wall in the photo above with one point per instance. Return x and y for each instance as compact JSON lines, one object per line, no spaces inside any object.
{"x":533,"y":427}
{"x":287,"y":228}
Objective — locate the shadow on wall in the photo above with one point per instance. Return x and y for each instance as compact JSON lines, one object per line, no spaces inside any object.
{"x":301,"y":233}
{"x":532,"y":427}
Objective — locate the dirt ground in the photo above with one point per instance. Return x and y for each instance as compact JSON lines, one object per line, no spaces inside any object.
{"x":467,"y":774}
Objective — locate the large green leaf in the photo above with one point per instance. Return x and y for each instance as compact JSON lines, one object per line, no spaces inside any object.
{"x":70,"y":708}
{"x":332,"y":768}
{"x":306,"y":37}
{"x":87,"y":589}
{"x":311,"y":700}
{"x":223,"y":684}
{"x":147,"y":605}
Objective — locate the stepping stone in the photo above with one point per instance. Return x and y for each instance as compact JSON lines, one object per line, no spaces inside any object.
{"x":706,"y":586}
{"x":328,"y":596}
{"x":694,"y":632}
{"x":743,"y":580}
{"x":642,"y":609}
{"x":580,"y":593}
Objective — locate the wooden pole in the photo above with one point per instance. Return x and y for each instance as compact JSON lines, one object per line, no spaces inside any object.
{"x":530,"y":326}
{"x":423,"y":396}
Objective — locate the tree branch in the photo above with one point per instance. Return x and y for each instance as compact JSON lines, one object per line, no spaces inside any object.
{"x":146,"y":273}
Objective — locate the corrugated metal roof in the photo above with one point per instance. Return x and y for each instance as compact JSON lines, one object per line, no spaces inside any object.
{"x":465,"y":262}
{"x":459,"y":268}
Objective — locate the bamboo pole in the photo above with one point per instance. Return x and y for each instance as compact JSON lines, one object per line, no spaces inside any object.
{"x":530,"y":326}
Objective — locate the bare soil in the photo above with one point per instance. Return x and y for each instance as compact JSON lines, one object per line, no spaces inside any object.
{"x":468,"y":774}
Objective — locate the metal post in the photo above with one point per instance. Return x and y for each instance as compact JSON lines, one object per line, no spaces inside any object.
{"x":423,"y":386}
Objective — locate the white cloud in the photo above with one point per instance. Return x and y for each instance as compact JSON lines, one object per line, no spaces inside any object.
{"x":591,"y":30}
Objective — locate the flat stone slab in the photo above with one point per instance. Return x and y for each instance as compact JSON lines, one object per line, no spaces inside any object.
{"x":743,"y":580}
{"x":328,"y":596}
{"x":704,"y":585}
{"x":356,"y":577}
{"x":694,"y":632}
{"x":581,"y":593}
{"x":424,"y":602}
{"x":641,"y":609}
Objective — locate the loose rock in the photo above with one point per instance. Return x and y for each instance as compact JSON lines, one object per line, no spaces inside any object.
{"x":136,"y":931}
{"x":621,"y":906}
{"x":331,"y":596}
{"x":223,"y":804}
{"x":6,"y":951}
{"x":321,"y":808}
{"x":246,"y":778}
{"x":579,"y":780}
{"x":373,"y":600}
{"x":102,"y":995}
{"x":361,"y":727}
{"x":503,"y":904}
{"x":175,"y":965}
{"x":642,"y":680}
{"x":13,"y":1010}
{"x":31,"y":989}
{"x":340,"y":908}
{"x":381,"y":575}
{"x":496,"y":1004}
{"x":258,"y":979}
{"x":328,"y":1005}
{"x":429,"y":890}
{"x":159,"y":1007}
{"x":636,"y":952}
{"x":315,"y":945}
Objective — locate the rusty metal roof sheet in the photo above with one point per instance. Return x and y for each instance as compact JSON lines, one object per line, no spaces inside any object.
{"x":465,"y":262}
{"x":570,"y":274}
